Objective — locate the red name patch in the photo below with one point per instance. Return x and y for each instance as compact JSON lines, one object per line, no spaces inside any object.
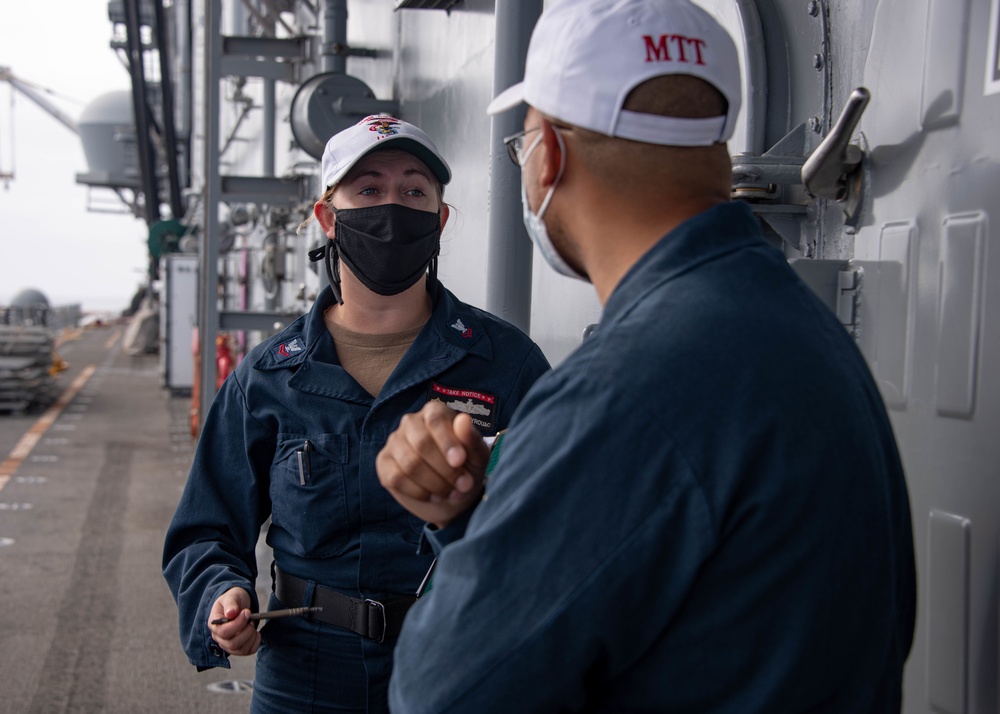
{"x":463,"y":394}
{"x":480,"y":406}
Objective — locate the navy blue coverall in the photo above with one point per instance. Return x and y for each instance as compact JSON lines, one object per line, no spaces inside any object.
{"x":339,"y":528}
{"x":702,"y":510}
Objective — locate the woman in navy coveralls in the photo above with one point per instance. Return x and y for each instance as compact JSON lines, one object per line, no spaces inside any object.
{"x":294,"y":431}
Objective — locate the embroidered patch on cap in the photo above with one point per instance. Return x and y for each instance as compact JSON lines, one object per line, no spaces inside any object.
{"x":480,"y":406}
{"x":288,"y":349}
{"x":383,"y":125}
{"x":459,"y":327}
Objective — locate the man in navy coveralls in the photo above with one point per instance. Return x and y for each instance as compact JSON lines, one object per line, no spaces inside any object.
{"x":703,"y":508}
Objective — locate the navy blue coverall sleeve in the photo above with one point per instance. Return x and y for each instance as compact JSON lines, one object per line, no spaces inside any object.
{"x":212,"y":539}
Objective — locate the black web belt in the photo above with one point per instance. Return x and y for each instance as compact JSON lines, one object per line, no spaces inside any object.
{"x":369,"y":618}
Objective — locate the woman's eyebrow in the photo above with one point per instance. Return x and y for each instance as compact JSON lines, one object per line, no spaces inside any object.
{"x":375,"y":173}
{"x":368,"y":173}
{"x":418,"y":172}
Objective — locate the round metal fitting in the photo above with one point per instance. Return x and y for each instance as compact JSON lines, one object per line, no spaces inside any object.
{"x":315,"y":115}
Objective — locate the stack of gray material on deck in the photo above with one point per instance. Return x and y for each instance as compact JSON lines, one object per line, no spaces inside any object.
{"x":25,"y":363}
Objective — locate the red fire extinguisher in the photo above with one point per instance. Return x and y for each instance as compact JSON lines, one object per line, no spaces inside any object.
{"x":223,"y":360}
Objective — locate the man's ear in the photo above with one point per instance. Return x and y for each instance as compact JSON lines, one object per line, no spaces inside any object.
{"x":324,"y":214}
{"x":551,"y":157}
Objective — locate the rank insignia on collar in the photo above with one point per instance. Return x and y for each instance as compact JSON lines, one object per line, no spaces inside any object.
{"x":481,"y":406}
{"x":459,"y":327}
{"x":289,"y":349}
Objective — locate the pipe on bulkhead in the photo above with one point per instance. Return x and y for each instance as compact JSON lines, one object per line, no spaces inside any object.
{"x":183,"y":61}
{"x":271,"y":302}
{"x":755,"y":103}
{"x":270,"y":112}
{"x":270,"y":126}
{"x":509,"y":251}
{"x":333,"y":57}
{"x":208,"y":264}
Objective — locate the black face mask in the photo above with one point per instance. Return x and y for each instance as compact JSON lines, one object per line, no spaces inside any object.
{"x":388,"y":247}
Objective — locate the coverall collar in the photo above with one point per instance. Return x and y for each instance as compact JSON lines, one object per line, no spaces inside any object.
{"x":452,"y":332}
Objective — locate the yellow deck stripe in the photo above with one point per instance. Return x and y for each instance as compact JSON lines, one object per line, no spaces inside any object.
{"x":30,"y":439}
{"x":114,"y":338}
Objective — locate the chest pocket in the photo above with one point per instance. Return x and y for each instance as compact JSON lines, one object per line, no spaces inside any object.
{"x":310,"y":504}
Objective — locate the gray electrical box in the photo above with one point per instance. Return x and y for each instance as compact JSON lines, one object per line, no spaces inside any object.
{"x":178,"y":314}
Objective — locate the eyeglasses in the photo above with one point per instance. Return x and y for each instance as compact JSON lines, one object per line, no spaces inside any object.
{"x":515,"y":144}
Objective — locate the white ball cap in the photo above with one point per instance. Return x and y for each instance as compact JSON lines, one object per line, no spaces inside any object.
{"x":585,"y":56}
{"x":377,"y":132}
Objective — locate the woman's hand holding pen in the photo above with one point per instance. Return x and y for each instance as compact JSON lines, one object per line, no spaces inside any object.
{"x":238,"y":636}
{"x":434,"y":463}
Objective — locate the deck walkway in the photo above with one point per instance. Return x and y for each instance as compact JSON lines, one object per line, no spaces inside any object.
{"x":87,"y":489}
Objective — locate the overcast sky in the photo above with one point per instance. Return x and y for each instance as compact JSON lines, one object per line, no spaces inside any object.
{"x":48,"y":238}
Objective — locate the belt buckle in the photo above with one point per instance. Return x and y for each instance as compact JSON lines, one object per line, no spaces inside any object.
{"x":377,"y":606}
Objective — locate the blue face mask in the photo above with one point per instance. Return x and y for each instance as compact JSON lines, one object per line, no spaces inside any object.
{"x":533,"y":222}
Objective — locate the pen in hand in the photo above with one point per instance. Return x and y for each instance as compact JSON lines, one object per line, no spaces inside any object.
{"x":290,"y":612}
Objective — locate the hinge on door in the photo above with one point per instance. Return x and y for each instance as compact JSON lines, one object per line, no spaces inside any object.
{"x":848,"y":298}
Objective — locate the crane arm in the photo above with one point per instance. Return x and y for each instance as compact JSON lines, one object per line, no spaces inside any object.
{"x":31,"y":93}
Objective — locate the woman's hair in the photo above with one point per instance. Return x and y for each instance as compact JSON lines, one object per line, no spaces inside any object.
{"x":327,"y":198}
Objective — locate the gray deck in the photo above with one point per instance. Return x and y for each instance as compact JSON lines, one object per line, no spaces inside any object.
{"x":87,"y":623}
